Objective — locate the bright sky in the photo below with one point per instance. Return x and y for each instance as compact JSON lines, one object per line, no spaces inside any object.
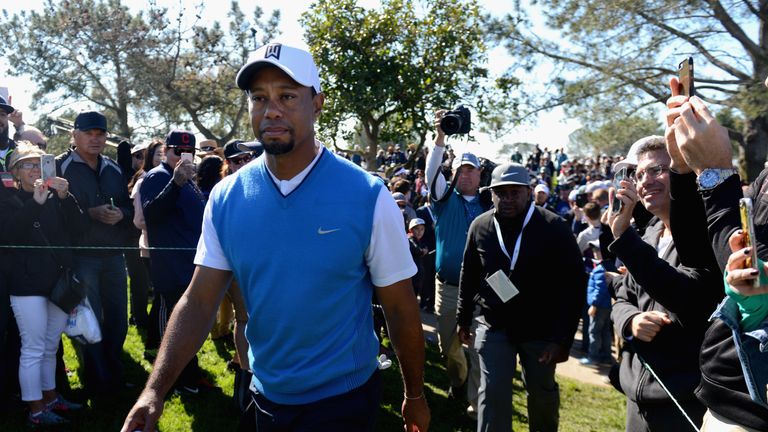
{"x":551,"y":129}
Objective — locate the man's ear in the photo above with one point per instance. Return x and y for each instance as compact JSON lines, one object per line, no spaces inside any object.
{"x":317,"y":103}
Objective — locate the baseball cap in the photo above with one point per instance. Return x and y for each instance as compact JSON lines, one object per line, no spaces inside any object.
{"x":5,"y":107}
{"x":466,"y":159}
{"x":295,"y":62}
{"x":232,"y":149}
{"x":180,"y":138}
{"x":398,"y":197}
{"x":631,"y":160}
{"x":415,"y":222}
{"x":139,"y":147}
{"x":90,"y":120}
{"x":541,"y":188}
{"x":509,"y":174}
{"x":254,"y":147}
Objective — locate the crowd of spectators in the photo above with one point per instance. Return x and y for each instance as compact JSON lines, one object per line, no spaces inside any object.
{"x":659,"y":284}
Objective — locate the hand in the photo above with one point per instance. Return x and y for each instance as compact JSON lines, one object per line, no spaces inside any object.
{"x":144,"y":414}
{"x":106,"y":214}
{"x":741,"y":278}
{"x":440,"y":139}
{"x":646,"y":325}
{"x":678,"y":164}
{"x":40,"y":193}
{"x":183,"y":171}
{"x":592,"y":311}
{"x":465,"y":335}
{"x":16,"y":117}
{"x":60,"y":185}
{"x":553,"y":353}
{"x":416,"y":415}
{"x":702,"y":141}
{"x":619,"y":222}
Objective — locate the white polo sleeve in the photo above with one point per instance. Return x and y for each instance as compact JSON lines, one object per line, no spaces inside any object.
{"x":388,"y":256}
{"x":209,"y":252}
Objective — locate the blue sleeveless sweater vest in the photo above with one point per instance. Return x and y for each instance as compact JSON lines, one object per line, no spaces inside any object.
{"x":300,"y":262}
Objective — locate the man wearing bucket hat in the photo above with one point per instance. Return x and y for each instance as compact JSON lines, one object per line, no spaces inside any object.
{"x":312,"y":347}
{"x":530,"y":297}
{"x":455,"y":206}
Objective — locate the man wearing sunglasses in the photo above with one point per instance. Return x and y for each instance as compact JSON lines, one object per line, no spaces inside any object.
{"x":173,"y":210}
{"x":236,"y":157}
{"x":664,"y":303}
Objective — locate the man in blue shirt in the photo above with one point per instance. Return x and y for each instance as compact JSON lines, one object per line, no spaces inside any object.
{"x":309,"y":284}
{"x":454,"y":206}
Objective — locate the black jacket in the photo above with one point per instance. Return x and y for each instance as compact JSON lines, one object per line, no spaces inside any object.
{"x":549,"y":275}
{"x":722,"y":388}
{"x":688,"y":294}
{"x":34,"y":272}
{"x":93,"y":188}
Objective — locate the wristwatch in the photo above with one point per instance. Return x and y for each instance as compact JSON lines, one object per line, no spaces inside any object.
{"x":711,"y":177}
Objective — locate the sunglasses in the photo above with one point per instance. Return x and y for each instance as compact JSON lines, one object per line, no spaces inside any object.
{"x":240,"y":160}
{"x":181,"y":150}
{"x":139,"y":156}
{"x":29,"y":165}
{"x":208,"y":148}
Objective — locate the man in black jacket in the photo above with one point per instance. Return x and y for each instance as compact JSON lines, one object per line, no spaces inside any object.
{"x":524,"y":313}
{"x":663,"y":303}
{"x":97,"y":183}
{"x":734,"y":362}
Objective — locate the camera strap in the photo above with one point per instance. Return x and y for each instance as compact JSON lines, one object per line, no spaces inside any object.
{"x":516,"y":252}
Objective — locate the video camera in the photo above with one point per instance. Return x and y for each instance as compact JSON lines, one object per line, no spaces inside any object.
{"x":457,"y":121}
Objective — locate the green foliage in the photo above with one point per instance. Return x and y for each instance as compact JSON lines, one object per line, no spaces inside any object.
{"x":388,"y":69}
{"x":147,"y":71}
{"x":618,"y":56}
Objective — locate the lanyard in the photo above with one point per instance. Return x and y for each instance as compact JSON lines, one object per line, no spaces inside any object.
{"x":516,"y":255}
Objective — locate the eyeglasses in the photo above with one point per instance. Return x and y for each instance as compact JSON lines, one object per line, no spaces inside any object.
{"x":29,"y":165}
{"x":181,"y":150}
{"x":240,"y":160}
{"x":208,"y":148}
{"x":653,"y":171}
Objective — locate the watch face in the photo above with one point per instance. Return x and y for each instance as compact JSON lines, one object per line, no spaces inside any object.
{"x":708,"y":178}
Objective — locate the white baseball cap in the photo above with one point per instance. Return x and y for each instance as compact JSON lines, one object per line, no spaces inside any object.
{"x":541,"y":188}
{"x":295,"y":62}
{"x":631,"y":160}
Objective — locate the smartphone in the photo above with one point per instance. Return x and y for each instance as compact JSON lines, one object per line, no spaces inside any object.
{"x":685,"y":76}
{"x":111,"y":203}
{"x":748,"y":227}
{"x":582,"y":200}
{"x":617,"y":178}
{"x":7,"y":179}
{"x":188,"y":157}
{"x":47,"y":167}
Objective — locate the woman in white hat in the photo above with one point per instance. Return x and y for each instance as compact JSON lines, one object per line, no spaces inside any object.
{"x":40,"y":213}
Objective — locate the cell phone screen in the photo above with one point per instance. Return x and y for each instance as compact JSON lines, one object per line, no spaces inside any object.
{"x":7,"y":179}
{"x":617,"y":178}
{"x":685,"y":76}
{"x":187,"y":157}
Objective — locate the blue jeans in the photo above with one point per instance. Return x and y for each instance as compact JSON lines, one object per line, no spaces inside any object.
{"x":105,"y":279}
{"x":601,"y":335}
{"x":498,"y":359}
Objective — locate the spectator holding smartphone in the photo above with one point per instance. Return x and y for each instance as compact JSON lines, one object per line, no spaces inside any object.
{"x":734,"y":367}
{"x":39,"y":214}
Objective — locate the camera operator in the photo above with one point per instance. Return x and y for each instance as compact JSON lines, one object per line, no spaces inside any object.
{"x":734,"y":367}
{"x":454,"y":206}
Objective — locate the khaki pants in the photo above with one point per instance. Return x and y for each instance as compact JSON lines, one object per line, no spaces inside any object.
{"x":446,"y":300}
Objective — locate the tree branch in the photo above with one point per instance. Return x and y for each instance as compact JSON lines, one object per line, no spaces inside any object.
{"x":757,"y":54}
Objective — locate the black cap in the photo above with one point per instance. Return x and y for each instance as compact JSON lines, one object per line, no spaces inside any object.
{"x":232,"y":149}
{"x":254,"y":147}
{"x":5,"y":107}
{"x":180,"y":138}
{"x":91,"y":120}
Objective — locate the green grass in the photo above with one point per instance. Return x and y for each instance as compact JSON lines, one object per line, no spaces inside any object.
{"x":583,"y":407}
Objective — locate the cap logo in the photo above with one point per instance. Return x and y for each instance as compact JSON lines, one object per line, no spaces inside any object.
{"x":185,"y":138}
{"x":273,"y":50}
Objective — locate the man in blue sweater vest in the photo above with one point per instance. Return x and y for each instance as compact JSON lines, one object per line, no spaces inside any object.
{"x":308,"y":289}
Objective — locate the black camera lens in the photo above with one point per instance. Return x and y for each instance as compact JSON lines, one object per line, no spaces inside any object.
{"x":450,"y":124}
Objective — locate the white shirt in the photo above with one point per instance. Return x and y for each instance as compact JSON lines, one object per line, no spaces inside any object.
{"x":388,"y":257}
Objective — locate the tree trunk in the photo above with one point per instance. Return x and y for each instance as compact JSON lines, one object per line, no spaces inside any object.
{"x":756,"y":145}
